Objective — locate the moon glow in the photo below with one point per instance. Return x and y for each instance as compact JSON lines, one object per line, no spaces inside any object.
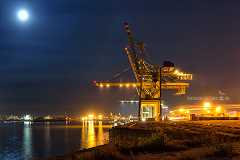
{"x":23,"y":15}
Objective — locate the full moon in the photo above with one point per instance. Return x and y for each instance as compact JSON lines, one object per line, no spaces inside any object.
{"x":23,"y":15}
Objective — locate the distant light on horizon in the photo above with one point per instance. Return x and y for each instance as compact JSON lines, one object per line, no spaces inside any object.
{"x":218,"y":109}
{"x":206,"y":105}
{"x":27,"y":117}
{"x":90,"y":117}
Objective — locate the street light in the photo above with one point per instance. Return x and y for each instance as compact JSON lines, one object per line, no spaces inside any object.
{"x":218,"y":109}
{"x":206,"y":105}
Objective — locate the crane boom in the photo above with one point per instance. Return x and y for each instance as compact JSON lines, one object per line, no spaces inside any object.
{"x":149,"y":78}
{"x":131,"y":52}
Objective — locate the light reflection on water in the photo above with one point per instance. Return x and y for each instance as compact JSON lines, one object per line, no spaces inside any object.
{"x":23,"y":141}
{"x":100,"y":130}
{"x":27,"y":140}
{"x":93,"y":134}
{"x":47,"y":138}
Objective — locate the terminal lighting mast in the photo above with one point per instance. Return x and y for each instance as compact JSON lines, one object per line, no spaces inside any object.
{"x":150,"y":79}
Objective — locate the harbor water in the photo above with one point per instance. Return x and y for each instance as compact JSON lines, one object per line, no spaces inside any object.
{"x":25,"y":140}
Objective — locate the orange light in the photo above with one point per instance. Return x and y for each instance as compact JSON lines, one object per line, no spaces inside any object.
{"x":176,"y":71}
{"x":181,"y":110}
{"x":206,"y":105}
{"x":108,"y":85}
{"x":100,"y":117}
{"x":127,"y":85}
{"x":218,"y":109}
{"x":90,"y":116}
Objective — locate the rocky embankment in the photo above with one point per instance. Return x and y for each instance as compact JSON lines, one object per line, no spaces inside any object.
{"x":167,"y":141}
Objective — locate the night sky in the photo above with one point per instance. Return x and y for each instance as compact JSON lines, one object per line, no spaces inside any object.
{"x":48,"y":63}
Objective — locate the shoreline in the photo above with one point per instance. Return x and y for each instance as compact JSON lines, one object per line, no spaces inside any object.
{"x":77,"y":153}
{"x":166,"y":141}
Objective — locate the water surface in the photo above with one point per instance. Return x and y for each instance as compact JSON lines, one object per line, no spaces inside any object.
{"x":23,"y":141}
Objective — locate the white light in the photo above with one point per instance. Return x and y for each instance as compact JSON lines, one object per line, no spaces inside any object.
{"x":23,"y":15}
{"x":27,"y":118}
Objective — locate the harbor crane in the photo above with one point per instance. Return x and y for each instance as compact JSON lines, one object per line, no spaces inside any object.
{"x":150,"y":79}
